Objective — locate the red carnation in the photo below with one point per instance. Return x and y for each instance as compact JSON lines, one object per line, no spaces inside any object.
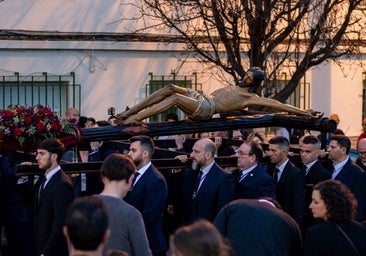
{"x":19,"y":111}
{"x":54,"y":126}
{"x":40,"y":126}
{"x":27,"y":120}
{"x":8,"y":113}
{"x":18,"y":132}
{"x":41,"y":111}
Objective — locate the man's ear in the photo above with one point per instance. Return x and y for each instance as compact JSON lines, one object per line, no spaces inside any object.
{"x":344,"y":149}
{"x":145,"y":153}
{"x":129,"y":181}
{"x":106,"y":236}
{"x":54,"y":156}
{"x":66,"y":233}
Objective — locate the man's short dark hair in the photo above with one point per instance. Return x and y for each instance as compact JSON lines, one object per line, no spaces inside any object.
{"x":118,"y":167}
{"x":343,"y":141}
{"x":281,"y":141}
{"x":311,"y":139}
{"x":146,"y":143}
{"x":54,"y":146}
{"x":86,"y":223}
{"x":255,"y":149}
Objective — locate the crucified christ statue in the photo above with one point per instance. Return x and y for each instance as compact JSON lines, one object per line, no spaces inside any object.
{"x":199,"y":106}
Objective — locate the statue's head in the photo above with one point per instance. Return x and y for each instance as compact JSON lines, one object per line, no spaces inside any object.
{"x":253,"y":79}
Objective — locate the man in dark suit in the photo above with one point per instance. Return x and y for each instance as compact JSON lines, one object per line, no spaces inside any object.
{"x":54,"y":193}
{"x":289,"y":180}
{"x":251,"y":180}
{"x":149,"y":192}
{"x":347,"y":172}
{"x":206,"y":188}
{"x":15,"y":210}
{"x":257,"y":227}
{"x":314,"y":173}
{"x":361,"y":151}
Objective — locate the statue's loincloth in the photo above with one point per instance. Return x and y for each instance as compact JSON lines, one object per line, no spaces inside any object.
{"x":206,"y":106}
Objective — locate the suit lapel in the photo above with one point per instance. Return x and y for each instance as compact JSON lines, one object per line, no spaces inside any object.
{"x":206,"y":182}
{"x":251,"y":175}
{"x":284,"y":174}
{"x":143,"y":178}
{"x":342,"y":171}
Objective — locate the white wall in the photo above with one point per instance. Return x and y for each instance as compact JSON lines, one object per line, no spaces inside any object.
{"x":339,"y":90}
{"x":119,"y":76}
{"x":121,"y":68}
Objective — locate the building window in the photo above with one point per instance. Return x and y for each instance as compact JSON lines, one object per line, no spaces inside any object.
{"x":56,"y":92}
{"x":158,"y":82}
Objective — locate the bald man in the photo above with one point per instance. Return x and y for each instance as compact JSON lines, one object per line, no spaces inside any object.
{"x":206,"y":188}
{"x":361,"y":150}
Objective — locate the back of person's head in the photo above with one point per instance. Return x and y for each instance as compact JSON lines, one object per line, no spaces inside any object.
{"x":209,"y":146}
{"x":339,"y":200}
{"x":54,"y":146}
{"x":271,"y":201}
{"x":82,"y":121}
{"x":118,"y":167}
{"x":343,"y":141}
{"x":146,"y":143}
{"x":335,"y":118}
{"x":117,"y":253}
{"x":86,"y":225}
{"x":281,"y":141}
{"x":199,"y":239}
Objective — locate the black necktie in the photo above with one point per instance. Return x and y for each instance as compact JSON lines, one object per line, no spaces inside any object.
{"x":197,"y":184}
{"x":134,"y":178}
{"x":275,"y":175}
{"x":41,"y":188}
{"x":304,"y":169}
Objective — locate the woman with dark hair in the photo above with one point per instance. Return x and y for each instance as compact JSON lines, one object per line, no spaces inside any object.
{"x":199,"y":239}
{"x":339,"y":234}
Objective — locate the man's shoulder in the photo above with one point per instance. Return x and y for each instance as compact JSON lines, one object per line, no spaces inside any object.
{"x":292,"y":167}
{"x":353,"y":167}
{"x":153,"y":171}
{"x":65,"y":178}
{"x":217,"y":170}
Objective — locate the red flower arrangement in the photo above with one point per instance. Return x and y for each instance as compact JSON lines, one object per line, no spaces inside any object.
{"x":32,"y":124}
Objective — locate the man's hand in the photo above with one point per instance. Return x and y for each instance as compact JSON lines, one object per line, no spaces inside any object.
{"x":182,"y":158}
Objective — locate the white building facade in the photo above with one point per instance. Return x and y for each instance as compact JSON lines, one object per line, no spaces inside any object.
{"x":115,"y":73}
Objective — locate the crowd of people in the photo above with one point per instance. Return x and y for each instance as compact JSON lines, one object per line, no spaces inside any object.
{"x":316,"y":206}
